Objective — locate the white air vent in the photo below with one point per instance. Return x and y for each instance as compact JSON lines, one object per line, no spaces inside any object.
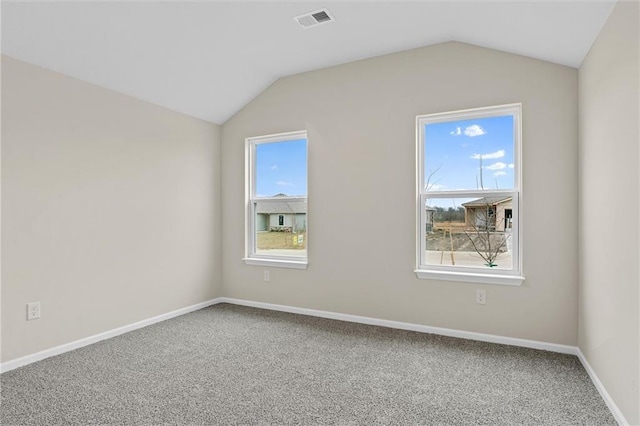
{"x":311,"y":19}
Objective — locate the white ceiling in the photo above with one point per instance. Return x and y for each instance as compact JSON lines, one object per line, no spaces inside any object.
{"x":209,"y":59}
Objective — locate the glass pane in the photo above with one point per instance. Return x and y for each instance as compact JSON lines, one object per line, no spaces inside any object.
{"x":469,"y":154}
{"x":281,"y":169}
{"x":281,"y":227}
{"x":466,"y":232}
{"x":281,"y":223}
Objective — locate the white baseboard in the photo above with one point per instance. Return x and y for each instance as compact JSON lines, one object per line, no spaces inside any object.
{"x":617,"y":414}
{"x":512,"y":341}
{"x":38,"y":356}
{"x":491,"y":338}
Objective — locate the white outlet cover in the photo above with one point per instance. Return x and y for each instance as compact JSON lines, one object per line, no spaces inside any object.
{"x":33,"y":310}
{"x":481,"y":297}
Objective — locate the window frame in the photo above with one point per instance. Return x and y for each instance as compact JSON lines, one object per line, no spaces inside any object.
{"x":471,"y":274}
{"x":250,"y":255}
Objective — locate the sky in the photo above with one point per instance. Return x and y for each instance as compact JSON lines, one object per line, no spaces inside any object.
{"x":455,"y":150}
{"x":281,"y":168}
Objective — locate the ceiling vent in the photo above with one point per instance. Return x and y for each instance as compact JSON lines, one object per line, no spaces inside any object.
{"x":312,"y":19}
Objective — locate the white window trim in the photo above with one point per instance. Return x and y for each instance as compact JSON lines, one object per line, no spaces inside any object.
{"x":252,"y":258}
{"x":277,"y":263}
{"x":512,"y":277}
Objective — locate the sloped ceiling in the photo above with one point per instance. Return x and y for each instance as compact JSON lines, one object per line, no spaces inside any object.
{"x":209,"y":59}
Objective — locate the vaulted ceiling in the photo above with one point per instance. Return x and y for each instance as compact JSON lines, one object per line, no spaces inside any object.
{"x":209,"y":59}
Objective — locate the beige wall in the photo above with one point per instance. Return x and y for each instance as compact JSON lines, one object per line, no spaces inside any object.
{"x":609,"y":194}
{"x":360,"y":118}
{"x":501,"y":214}
{"x":110,"y":209}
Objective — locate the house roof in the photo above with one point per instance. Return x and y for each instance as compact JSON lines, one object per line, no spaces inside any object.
{"x":281,"y":206}
{"x":484,"y":201}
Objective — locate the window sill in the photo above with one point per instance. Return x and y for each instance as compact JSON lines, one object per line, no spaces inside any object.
{"x":468,"y":277}
{"x":276,"y":263}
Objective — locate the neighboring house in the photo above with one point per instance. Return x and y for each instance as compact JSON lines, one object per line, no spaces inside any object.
{"x":430,"y":212}
{"x":493,"y":212}
{"x":281,"y":215}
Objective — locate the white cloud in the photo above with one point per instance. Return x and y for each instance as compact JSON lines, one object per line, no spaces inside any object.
{"x":510,"y":166}
{"x":496,"y":166}
{"x":283,"y":183}
{"x":435,"y":187}
{"x":500,"y":173}
{"x":274,"y":167}
{"x":456,"y":132}
{"x":490,"y":156}
{"x":474,"y":130}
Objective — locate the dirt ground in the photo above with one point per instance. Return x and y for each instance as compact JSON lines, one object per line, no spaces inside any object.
{"x":280,"y":240}
{"x":437,"y":240}
{"x":454,"y":226}
{"x":440,"y":239}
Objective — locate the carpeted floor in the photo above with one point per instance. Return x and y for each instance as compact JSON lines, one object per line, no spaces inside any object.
{"x":234,"y":365}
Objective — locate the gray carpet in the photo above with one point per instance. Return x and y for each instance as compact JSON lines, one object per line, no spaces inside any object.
{"x":234,"y":365}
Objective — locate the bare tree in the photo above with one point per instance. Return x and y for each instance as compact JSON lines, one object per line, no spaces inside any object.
{"x":429,"y":184}
{"x":482,"y":231}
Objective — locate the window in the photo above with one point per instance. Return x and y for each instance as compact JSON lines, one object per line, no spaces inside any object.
{"x":276,"y":200}
{"x":468,"y":195}
{"x":508,"y":215}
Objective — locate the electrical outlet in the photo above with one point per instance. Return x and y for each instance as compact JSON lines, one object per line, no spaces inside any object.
{"x":481,"y":297}
{"x":33,"y":311}
{"x":266,"y":276}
